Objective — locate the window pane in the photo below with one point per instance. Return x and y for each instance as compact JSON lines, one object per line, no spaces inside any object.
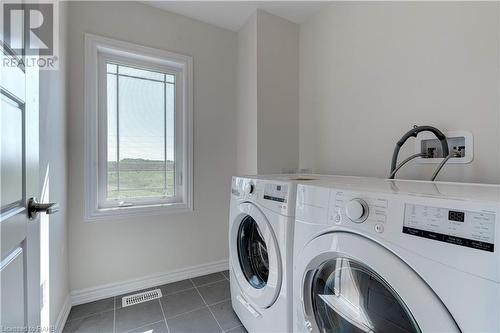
{"x":141,"y":132}
{"x":141,"y":138}
{"x":111,"y":68}
{"x":169,"y":78}
{"x":141,"y":178}
{"x":170,"y":137}
{"x":112,"y":126}
{"x":124,"y":70}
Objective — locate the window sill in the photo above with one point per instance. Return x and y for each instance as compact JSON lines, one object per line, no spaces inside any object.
{"x":99,"y":214}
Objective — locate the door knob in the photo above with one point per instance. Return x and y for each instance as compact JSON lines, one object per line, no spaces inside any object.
{"x":34,"y":207}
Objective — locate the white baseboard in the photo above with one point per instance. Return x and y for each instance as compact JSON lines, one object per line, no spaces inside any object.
{"x":63,"y":315}
{"x":113,"y":289}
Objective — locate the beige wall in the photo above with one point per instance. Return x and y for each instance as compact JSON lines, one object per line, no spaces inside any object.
{"x":247,"y":98}
{"x":278,"y":93}
{"x":116,"y":250}
{"x":268,"y":113}
{"x":53,"y":171}
{"x":369,"y":71}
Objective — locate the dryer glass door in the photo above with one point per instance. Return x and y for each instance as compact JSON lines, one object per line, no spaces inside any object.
{"x":347,"y":296}
{"x":252,"y":253}
{"x":353,"y":284}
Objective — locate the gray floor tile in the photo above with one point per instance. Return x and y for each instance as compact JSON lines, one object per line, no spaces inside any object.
{"x":98,"y":323}
{"x":200,"y":321}
{"x":137,"y":315}
{"x":239,"y":329}
{"x":225,"y":315}
{"x":215,"y":292}
{"x":175,"y":287}
{"x":206,"y":279}
{"x":158,"y":327}
{"x":182,"y":302}
{"x":88,"y":309}
{"x":182,"y":305}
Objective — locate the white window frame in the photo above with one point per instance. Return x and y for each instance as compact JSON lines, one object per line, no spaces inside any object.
{"x":98,"y":51}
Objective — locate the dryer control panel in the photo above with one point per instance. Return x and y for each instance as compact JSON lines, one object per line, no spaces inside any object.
{"x":473,"y":229}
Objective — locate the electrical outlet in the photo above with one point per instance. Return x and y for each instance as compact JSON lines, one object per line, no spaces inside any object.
{"x":460,"y":142}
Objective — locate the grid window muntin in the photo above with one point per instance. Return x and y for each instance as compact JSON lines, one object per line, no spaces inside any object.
{"x":96,"y":49}
{"x":174,"y":77}
{"x":117,"y":71}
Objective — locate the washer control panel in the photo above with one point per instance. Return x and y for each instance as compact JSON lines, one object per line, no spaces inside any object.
{"x":278,"y":196}
{"x":348,"y":207}
{"x":459,"y":221}
{"x":276,"y":192}
{"x":473,"y":229}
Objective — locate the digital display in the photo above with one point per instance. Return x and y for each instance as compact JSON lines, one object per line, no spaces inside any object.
{"x":456,"y":216}
{"x":473,"y":229}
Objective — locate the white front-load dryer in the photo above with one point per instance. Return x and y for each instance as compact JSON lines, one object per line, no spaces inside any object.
{"x":397,"y":256}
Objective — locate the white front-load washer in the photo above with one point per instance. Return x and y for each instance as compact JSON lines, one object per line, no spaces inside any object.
{"x":261,"y":227}
{"x":397,"y":256}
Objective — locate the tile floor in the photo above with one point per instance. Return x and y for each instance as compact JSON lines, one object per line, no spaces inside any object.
{"x":201,"y":305}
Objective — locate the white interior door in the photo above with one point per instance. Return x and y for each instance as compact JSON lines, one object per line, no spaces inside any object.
{"x":19,"y":234}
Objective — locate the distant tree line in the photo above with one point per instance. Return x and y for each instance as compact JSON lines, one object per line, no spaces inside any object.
{"x":139,"y":164}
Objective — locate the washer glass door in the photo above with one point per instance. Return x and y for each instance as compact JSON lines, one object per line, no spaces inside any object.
{"x":347,"y":296}
{"x":252,"y":253}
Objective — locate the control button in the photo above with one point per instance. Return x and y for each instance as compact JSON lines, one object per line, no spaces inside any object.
{"x":337,"y":218}
{"x":248,"y":188}
{"x":381,"y":203}
{"x":380,"y":216}
{"x":379,"y":228}
{"x":356,"y":210}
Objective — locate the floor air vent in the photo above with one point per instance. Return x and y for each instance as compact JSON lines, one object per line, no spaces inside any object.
{"x":141,"y":297}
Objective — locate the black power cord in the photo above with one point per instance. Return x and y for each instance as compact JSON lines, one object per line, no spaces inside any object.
{"x":413,"y":133}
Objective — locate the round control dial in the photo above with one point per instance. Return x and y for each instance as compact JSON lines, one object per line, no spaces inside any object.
{"x":248,"y":188}
{"x":356,"y":210}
